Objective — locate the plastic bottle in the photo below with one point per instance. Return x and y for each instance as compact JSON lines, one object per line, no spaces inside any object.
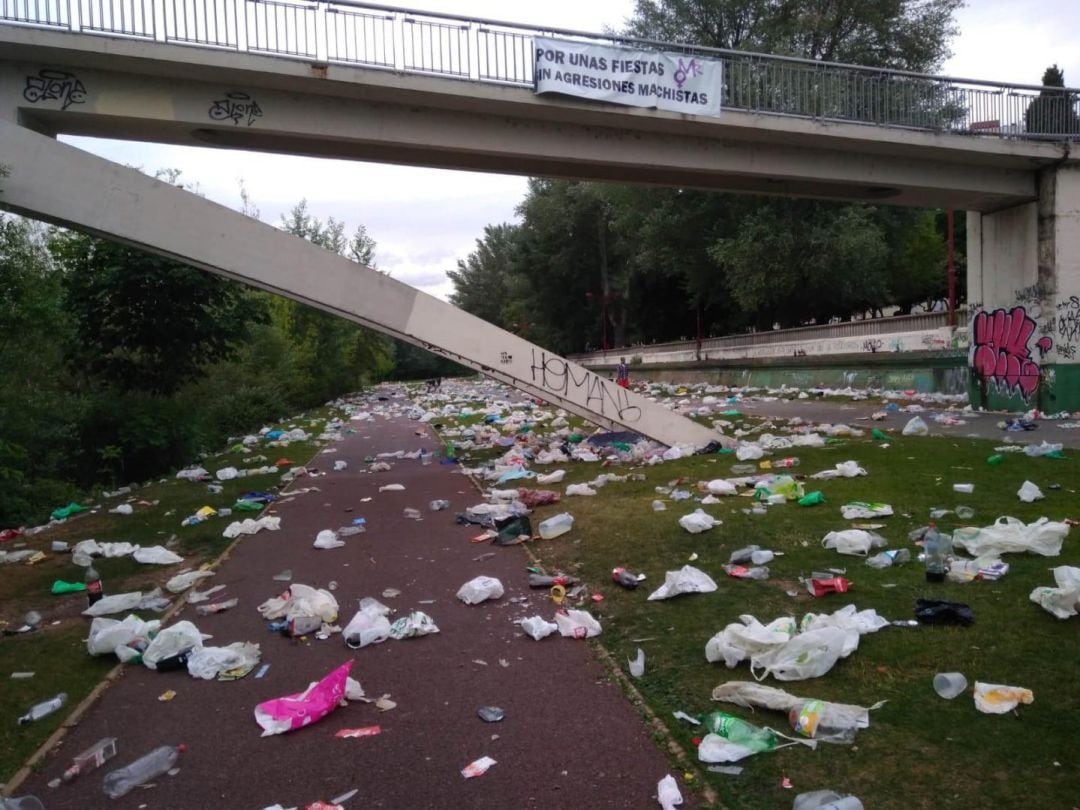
{"x":94,"y":591}
{"x":555,"y":526}
{"x":812,"y":718}
{"x":43,"y":709}
{"x":625,"y":578}
{"x":934,"y":554}
{"x":744,"y":555}
{"x":91,"y":759}
{"x":545,"y":581}
{"x":791,"y":461}
{"x":123,"y":780}
{"x":742,"y":572}
{"x":740,"y":732}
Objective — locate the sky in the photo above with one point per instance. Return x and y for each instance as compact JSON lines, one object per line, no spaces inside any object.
{"x":425,"y":220}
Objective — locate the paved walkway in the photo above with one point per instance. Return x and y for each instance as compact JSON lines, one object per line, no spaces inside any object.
{"x":570,"y":738}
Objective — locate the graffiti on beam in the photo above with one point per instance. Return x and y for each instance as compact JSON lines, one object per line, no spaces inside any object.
{"x":554,"y":374}
{"x":236,"y":107}
{"x":872,"y":344}
{"x":1001,"y":352}
{"x":54,"y":85}
{"x":1067,"y":323}
{"x":506,"y":358}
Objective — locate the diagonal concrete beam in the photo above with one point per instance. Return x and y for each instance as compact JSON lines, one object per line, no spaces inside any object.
{"x":67,"y":186}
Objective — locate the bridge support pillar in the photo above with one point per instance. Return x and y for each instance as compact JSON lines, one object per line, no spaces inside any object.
{"x":1024,"y":299}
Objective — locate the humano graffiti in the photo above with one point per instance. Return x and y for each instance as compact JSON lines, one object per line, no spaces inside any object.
{"x":236,"y":107}
{"x":555,"y":375}
{"x":54,"y":85}
{"x":1000,"y":351}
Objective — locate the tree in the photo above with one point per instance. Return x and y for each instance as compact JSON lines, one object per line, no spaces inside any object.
{"x":145,"y":322}
{"x":482,"y":280}
{"x":1053,"y":111}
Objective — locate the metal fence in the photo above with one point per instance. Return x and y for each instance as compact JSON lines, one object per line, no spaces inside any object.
{"x":498,"y":52}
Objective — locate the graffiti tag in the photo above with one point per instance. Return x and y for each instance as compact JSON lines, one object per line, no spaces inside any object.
{"x":872,"y":344}
{"x":1000,"y":352}
{"x":54,"y":85}
{"x":554,"y":374}
{"x":235,"y":107}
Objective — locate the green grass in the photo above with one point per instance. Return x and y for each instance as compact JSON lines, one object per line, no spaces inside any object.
{"x":920,"y":750}
{"x":57,"y":652}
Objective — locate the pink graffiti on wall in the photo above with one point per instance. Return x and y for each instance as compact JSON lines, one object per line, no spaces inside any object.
{"x":1000,"y":351}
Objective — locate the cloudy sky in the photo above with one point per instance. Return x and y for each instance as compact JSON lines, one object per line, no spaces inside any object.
{"x":426,"y":220}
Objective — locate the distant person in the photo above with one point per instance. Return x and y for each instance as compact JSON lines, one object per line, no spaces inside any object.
{"x":622,"y":374}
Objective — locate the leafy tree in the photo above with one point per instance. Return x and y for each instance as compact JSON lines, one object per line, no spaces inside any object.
{"x":1054,"y":111}
{"x":482,"y":280}
{"x":144,"y":322}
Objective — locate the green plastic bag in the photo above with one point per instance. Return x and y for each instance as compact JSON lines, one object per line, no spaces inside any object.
{"x":813,"y":499}
{"x":67,"y":511}
{"x":879,"y":435}
{"x":997,"y":458}
{"x":59,"y":586}
{"x":247,"y":506}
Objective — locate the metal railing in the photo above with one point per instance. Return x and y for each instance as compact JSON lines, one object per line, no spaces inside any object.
{"x":903,"y":324}
{"x":491,"y":51}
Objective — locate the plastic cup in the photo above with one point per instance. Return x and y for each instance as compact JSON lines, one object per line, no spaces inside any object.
{"x":965,"y":488}
{"x":965,"y":512}
{"x":949,"y":684}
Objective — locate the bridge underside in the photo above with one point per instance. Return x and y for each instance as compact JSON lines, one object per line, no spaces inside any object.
{"x":61,"y":184}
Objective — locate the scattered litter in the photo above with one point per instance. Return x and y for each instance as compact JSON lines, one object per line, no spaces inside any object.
{"x":327,"y":539}
{"x":940,"y":611}
{"x":1009,"y":535}
{"x":1029,"y":493}
{"x":698,"y":521}
{"x":637,"y":664}
{"x":577,"y":624}
{"x":1064,"y":600}
{"x":537,"y":627}
{"x":480,"y":589}
{"x":303,"y":708}
{"x":916,"y":427}
{"x":477,"y":768}
{"x":667,"y":793}
{"x":686,"y":580}
{"x":490,"y":714}
{"x":992,"y":698}
{"x":353,"y":733}
{"x":949,"y":684}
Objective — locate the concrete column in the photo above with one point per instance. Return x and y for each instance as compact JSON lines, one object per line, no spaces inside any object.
{"x":1024,"y":294}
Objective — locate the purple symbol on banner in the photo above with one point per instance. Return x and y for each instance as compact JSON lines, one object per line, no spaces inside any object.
{"x":686,"y":71}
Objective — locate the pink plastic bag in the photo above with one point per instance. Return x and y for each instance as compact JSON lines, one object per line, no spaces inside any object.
{"x":304,"y":708}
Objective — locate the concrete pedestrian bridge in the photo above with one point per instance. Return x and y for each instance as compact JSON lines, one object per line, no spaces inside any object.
{"x":382,"y":84}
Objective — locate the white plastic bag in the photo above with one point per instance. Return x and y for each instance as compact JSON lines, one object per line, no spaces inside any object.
{"x":156,"y":555}
{"x":181,"y":582}
{"x":538,"y":627}
{"x":1029,"y":493}
{"x":251,"y":526}
{"x":106,"y":635}
{"x":721,"y":486}
{"x":686,"y":580}
{"x":916,"y":427}
{"x":860,"y":510}
{"x":749,"y":452}
{"x":173,"y":640}
{"x":577,"y":624}
{"x":551,"y":477}
{"x":414,"y":625}
{"x":667,"y":793}
{"x":737,"y":642}
{"x":853,"y":541}
{"x":1009,"y":535}
{"x":209,"y":662}
{"x":715,"y":749}
{"x":1064,"y":600}
{"x":480,"y":589}
{"x":580,"y":489}
{"x":114,"y":603}
{"x":326,"y":539}
{"x":366,"y":627}
{"x":698,"y":521}
{"x":301,"y":601}
{"x":807,"y":655}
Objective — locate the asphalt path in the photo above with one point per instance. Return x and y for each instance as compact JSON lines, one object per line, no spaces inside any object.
{"x":569,"y":739}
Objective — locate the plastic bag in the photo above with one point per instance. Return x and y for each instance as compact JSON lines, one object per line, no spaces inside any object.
{"x":580,"y":489}
{"x":721,"y":486}
{"x":250,"y":526}
{"x":845,"y":469}
{"x":698,"y":521}
{"x":577,"y":624}
{"x":208,"y":663}
{"x":853,"y":541}
{"x":106,"y":635}
{"x":752,"y":695}
{"x":173,"y":640}
{"x":825,"y":800}
{"x":667,"y":793}
{"x":858,"y":510}
{"x":114,"y":603}
{"x":156,"y":555}
{"x":552,"y":477}
{"x":366,"y":627}
{"x":1064,"y":600}
{"x":326,"y":539}
{"x":941,"y":611}
{"x":749,"y":452}
{"x":414,"y":625}
{"x":916,"y":427}
{"x":1009,"y":535}
{"x":303,"y":708}
{"x":301,"y":601}
{"x":808,"y":655}
{"x":1029,"y":493}
{"x":993,"y":698}
{"x":538,"y":627}
{"x":737,"y":642}
{"x":181,"y":582}
{"x":480,"y":589}
{"x":686,"y":580}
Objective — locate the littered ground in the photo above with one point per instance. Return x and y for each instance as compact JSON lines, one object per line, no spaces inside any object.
{"x":570,"y":738}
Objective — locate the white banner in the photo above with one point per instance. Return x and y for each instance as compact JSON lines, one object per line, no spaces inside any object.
{"x":667,"y":81}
